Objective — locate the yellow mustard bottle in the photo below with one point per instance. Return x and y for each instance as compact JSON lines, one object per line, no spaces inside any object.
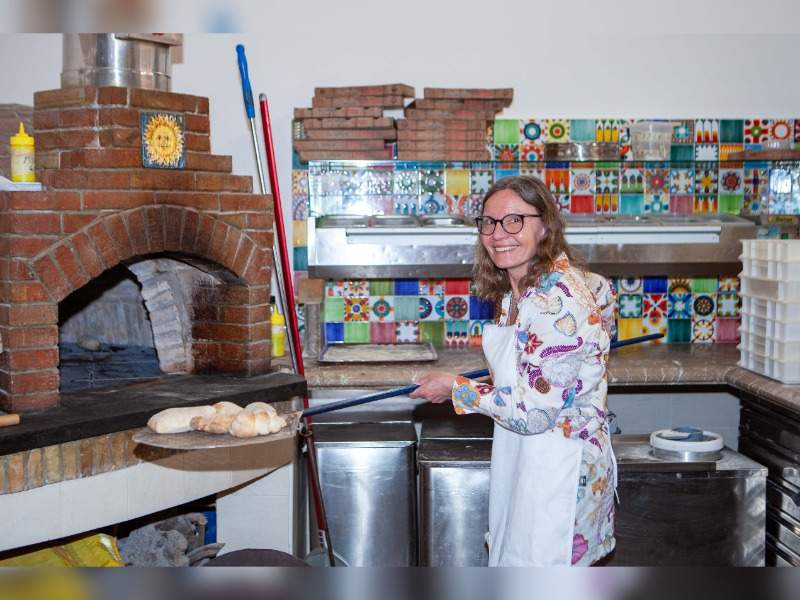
{"x":22,"y":153}
{"x":278,"y":333}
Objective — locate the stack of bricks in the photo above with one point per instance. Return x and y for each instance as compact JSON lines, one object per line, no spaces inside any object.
{"x":100,"y":207}
{"x":348,"y":123}
{"x":450,"y":124}
{"x":10,"y":117}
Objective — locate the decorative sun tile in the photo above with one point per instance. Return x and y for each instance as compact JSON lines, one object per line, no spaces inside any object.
{"x":531,"y":152}
{"x":431,"y":181}
{"x":582,"y":182}
{"x":679,"y":285}
{"x":728,"y":304}
{"x":679,"y":306}
{"x":557,"y":180}
{"x":756,"y":131}
{"x":729,"y":284}
{"x":629,"y":285}
{"x":705,"y":180}
{"x":703,"y":330}
{"x":356,"y":309}
{"x":706,"y":152}
{"x":481,"y":180}
{"x":431,"y":308}
{"x":381,"y":308}
{"x":556,"y":130}
{"x":631,"y":180}
{"x":356,"y":287}
{"x":782,"y":130}
{"x":706,"y":131}
{"x":682,"y":131}
{"x":731,"y":181}
{"x":407,"y":331}
{"x":163,"y":140}
{"x":681,"y":181}
{"x":531,"y":132}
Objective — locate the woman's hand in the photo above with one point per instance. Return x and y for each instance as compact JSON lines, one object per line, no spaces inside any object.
{"x":436,"y":386}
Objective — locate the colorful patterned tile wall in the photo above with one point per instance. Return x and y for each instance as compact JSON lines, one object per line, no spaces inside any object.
{"x":447,"y":313}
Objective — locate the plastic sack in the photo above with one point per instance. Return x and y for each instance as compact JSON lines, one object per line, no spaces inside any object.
{"x":98,"y":550}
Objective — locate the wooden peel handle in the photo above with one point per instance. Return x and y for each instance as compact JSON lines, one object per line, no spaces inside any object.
{"x":8,"y":420}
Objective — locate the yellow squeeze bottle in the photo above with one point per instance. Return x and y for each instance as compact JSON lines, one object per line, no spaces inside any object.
{"x":22,"y":156}
{"x":278,"y":333}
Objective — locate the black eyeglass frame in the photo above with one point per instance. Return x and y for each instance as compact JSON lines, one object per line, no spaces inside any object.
{"x":494,"y":222}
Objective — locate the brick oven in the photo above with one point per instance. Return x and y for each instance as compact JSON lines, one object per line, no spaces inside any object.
{"x":197,"y":241}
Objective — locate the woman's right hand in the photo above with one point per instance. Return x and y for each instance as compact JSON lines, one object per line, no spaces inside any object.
{"x":436,"y":386}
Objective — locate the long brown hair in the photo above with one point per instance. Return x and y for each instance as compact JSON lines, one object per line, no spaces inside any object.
{"x":492,"y":283}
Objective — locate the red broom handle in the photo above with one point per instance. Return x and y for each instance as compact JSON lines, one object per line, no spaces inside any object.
{"x":280,"y":231}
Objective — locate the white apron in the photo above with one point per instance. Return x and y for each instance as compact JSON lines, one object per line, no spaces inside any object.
{"x":534,"y":479}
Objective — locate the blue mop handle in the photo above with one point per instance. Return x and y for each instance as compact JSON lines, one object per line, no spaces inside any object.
{"x":247,"y":91}
{"x":310,"y":412}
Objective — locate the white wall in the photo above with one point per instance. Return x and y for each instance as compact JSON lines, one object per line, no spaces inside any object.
{"x":573,"y":58}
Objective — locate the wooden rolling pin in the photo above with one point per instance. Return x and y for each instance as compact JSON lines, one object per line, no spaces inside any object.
{"x":8,"y":420}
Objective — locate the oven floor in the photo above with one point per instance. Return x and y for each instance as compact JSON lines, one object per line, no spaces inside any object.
{"x":110,"y":365}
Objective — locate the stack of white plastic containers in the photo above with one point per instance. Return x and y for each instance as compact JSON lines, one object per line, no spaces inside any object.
{"x":770,"y":292}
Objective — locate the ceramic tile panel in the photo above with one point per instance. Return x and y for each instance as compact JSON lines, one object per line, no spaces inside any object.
{"x":405,"y":205}
{"x":655,"y":322}
{"x":731,"y":131}
{"x":407,"y":331}
{"x":681,"y":204}
{"x":631,"y":204}
{"x":655,"y":285}
{"x":531,"y":152}
{"x":476,"y":331}
{"x":705,"y":203}
{"x":557,"y":180}
{"x":703,"y":330}
{"x":681,"y":181}
{"x":431,"y":181}
{"x":726,"y":150}
{"x":729,"y":304}
{"x":406,"y":287}
{"x":458,"y":205}
{"x":630,"y":285}
{"x":706,"y":179}
{"x":457,"y":182}
{"x":457,"y":334}
{"x":334,"y":332}
{"x":728,"y":284}
{"x":679,"y":305}
{"x":556,"y":130}
{"x":383,"y":333}
{"x":582,"y":182}
{"x":606,"y":203}
{"x":433,"y":204}
{"x":507,"y":131}
{"x":609,"y":130}
{"x":727,"y":331}
{"x":431,"y":308}
{"x":706,"y":131}
{"x":406,"y":182}
{"x":782,"y":130}
{"x":683,"y":153}
{"x":563,"y":202}
{"x":581,"y":205}
{"x":474,"y":205}
{"x":683,"y":131}
{"x":381,"y":308}
{"x":381,"y":287}
{"x":582,"y":130}
{"x":431,"y":287}
{"x":508,"y":170}
{"x":756,"y":131}
{"x":629,"y":328}
{"x":679,"y":331}
{"x":532,"y":170}
{"x":432,"y":331}
{"x":481,"y":180}
{"x":456,"y":308}
{"x":531,"y":132}
{"x":508,"y":153}
{"x":705,"y":285}
{"x":300,"y":258}
{"x":356,"y":332}
{"x":356,"y":308}
{"x":406,"y":308}
{"x":630,"y":305}
{"x":631,"y":179}
{"x":706,"y":152}
{"x":656,"y":202}
{"x":333,"y":309}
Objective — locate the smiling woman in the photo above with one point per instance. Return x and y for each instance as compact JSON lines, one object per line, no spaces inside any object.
{"x":553,"y":473}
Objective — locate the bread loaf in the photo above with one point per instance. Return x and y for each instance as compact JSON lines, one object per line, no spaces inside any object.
{"x":178,"y":420}
{"x":227,"y":408}
{"x":219,"y":423}
{"x":256,"y":407}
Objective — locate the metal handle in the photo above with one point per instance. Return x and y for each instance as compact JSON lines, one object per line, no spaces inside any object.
{"x":247,"y":91}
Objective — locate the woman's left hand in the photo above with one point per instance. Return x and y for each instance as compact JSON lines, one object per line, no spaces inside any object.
{"x":436,"y":386}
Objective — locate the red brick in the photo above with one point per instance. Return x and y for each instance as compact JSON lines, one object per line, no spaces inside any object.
{"x":91,"y":261}
{"x":217,"y":247}
{"x":52,"y":278}
{"x":419,"y":113}
{"x":238,"y":220}
{"x":197,"y":142}
{"x":259,"y":221}
{"x":363,"y":144}
{"x":28,"y":245}
{"x":30,"y":337}
{"x":372,"y":101}
{"x":47,"y":160}
{"x":33,"y":314}
{"x":64,"y":97}
{"x":112,"y":95}
{"x":116,"y":199}
{"x":307,"y":155}
{"x":202,"y":105}
{"x":25,"y":360}
{"x":390,"y":89}
{"x":155,"y":99}
{"x":215,"y":182}
{"x":137,"y":232}
{"x":244,"y":202}
{"x":36,"y":223}
{"x":44,"y":120}
{"x":173,"y":223}
{"x":121,"y":137}
{"x":346,"y":112}
{"x":231,"y":246}
{"x":33,"y":402}
{"x":72,"y":222}
{"x":263,"y":238}
{"x":162,"y":180}
{"x":80,"y":179}
{"x":44,"y":201}
{"x":25,"y":383}
{"x":189,"y":232}
{"x":115,"y":225}
{"x":81,"y":117}
{"x":67,"y":138}
{"x":109,"y":158}
{"x":104,"y":245}
{"x":351,"y":134}
{"x":154,"y":220}
{"x":23,"y":291}
{"x":244,"y":315}
{"x":202,"y":201}
{"x":196,"y":161}
{"x":124,"y":117}
{"x":256,"y":273}
{"x":197,"y":123}
{"x":205,"y":229}
{"x":69,"y":265}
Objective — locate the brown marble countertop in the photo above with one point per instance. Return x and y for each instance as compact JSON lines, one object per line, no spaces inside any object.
{"x":663,"y":364}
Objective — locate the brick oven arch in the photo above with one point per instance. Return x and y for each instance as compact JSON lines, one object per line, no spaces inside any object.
{"x":73,"y":261}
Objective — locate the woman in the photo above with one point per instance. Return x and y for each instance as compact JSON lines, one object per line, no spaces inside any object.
{"x":553,"y":473}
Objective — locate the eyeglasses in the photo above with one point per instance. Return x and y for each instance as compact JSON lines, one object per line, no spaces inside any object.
{"x":510,"y":223}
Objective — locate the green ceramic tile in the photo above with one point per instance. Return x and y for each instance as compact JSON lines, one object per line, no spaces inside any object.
{"x":731,"y":131}
{"x":679,"y":330}
{"x":681,"y":152}
{"x":334,"y":309}
{"x":381,"y":287}
{"x":406,"y":308}
{"x":506,"y":131}
{"x":432,"y":331}
{"x":730,"y":203}
{"x":582,"y":130}
{"x":356,"y":333}
{"x":631,"y":204}
{"x":705,"y":285}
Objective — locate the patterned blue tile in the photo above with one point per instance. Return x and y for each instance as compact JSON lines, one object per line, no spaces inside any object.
{"x":406,"y":287}
{"x":655,"y":285}
{"x":334,"y":332}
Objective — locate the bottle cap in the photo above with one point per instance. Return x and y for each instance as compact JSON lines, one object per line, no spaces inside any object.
{"x":277,"y":317}
{"x":21,"y":138}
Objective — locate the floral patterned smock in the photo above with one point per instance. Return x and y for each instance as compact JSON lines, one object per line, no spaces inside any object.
{"x":564,"y":329}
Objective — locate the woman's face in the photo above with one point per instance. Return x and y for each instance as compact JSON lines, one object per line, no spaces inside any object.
{"x":512,"y":251}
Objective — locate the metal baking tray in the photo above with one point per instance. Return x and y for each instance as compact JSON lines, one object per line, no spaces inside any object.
{"x":343,"y":221}
{"x":377,"y":353}
{"x":443,"y":221}
{"x":581,"y":151}
{"x":393,"y":221}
